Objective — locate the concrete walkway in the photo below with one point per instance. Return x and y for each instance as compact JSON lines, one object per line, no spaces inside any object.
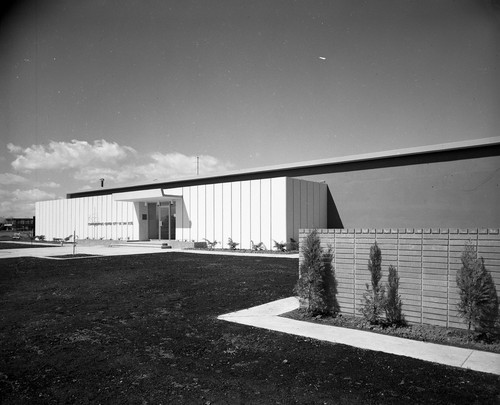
{"x":58,"y":250}
{"x":267,"y":316}
{"x":117,"y":250}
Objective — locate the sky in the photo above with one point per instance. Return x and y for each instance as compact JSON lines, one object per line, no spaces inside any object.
{"x":133,"y":91}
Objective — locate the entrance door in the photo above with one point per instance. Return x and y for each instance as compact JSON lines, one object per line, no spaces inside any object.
{"x":166,"y":220}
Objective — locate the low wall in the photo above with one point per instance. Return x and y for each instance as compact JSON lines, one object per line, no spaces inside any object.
{"x":427,"y":261}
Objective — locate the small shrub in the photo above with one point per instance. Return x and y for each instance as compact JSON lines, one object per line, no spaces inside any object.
{"x":292,"y":245}
{"x":258,"y":246}
{"x":393,"y":304}
{"x":210,"y":245}
{"x":374,"y":296}
{"x":280,"y":246}
{"x":478,"y":305}
{"x":316,"y":286}
{"x":232,"y":245}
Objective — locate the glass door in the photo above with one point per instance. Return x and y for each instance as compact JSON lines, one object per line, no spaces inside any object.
{"x":166,"y":220}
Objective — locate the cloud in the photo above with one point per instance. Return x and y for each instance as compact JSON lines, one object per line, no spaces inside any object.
{"x":21,"y":203}
{"x":80,"y":165}
{"x":68,"y":155}
{"x":34,"y":194}
{"x":49,"y":184}
{"x":161,"y":167}
{"x":11,"y":178}
{"x":176,"y":165}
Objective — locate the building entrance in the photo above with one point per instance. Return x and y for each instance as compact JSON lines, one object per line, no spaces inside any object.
{"x":161,"y":224}
{"x":166,"y":222}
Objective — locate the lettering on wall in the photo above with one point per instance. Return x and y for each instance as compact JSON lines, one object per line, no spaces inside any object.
{"x":109,"y":223}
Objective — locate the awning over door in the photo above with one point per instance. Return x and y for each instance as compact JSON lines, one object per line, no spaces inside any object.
{"x":153,"y":195}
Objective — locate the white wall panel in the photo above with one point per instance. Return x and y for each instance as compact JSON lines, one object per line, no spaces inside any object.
{"x":218,"y":218}
{"x":202,"y":217}
{"x":227,"y":217}
{"x":245,"y":215}
{"x":236,"y":211}
{"x":265,"y":213}
{"x":209,"y":199}
{"x":194,"y":213}
{"x":255,"y":212}
{"x":278,"y":209}
{"x":188,"y":220}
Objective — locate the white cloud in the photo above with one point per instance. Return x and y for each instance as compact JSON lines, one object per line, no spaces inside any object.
{"x":65,"y":155}
{"x":49,"y":184}
{"x":34,"y":194}
{"x":176,"y":165}
{"x":21,"y":203}
{"x":161,"y":167}
{"x":11,"y":178}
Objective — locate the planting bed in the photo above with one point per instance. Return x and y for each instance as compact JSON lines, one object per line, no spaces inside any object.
{"x":261,"y":251}
{"x":143,"y":329}
{"x":425,"y":333}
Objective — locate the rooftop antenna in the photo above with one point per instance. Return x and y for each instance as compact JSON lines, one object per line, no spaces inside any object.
{"x":197,"y":165}
{"x":102,"y":182}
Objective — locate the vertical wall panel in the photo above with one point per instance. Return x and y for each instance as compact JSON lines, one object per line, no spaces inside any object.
{"x":296,"y":204}
{"x":210,"y":214}
{"x":246,"y":215}
{"x":292,"y":218}
{"x":218,"y":218}
{"x":310,"y":204}
{"x":194,"y":208}
{"x":236,"y":211}
{"x":188,"y":218}
{"x":278,"y":209}
{"x":303,"y":205}
{"x":202,"y":217}
{"x":316,"y":207}
{"x":255,"y":212}
{"x":265,"y":210}
{"x":132,"y":228}
{"x":323,"y":196}
{"x":227,"y":217}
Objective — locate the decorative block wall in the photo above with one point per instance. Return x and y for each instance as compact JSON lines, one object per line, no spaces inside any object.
{"x":427,"y":261}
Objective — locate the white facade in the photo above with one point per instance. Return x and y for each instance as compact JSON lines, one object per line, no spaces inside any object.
{"x":260,"y":210}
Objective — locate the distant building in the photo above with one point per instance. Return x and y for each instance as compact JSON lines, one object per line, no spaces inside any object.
{"x":447,"y":185}
{"x":18,"y":224}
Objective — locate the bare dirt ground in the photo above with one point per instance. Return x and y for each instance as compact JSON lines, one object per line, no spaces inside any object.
{"x":143,"y":329}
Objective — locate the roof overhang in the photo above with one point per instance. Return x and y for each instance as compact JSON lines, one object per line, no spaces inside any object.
{"x":462,"y":150}
{"x":153,"y":196}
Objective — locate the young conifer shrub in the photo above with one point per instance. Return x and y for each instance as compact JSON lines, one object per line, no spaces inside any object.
{"x":393,"y":304}
{"x":374,"y":296}
{"x":478,"y":305}
{"x":316,"y":286}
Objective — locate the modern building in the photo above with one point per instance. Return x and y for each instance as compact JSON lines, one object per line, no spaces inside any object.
{"x":446,"y":185}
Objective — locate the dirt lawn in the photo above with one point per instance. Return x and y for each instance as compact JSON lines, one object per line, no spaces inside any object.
{"x":143,"y":330}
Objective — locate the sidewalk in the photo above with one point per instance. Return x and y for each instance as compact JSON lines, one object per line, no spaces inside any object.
{"x":118,"y":250}
{"x":267,"y":316}
{"x":47,"y":252}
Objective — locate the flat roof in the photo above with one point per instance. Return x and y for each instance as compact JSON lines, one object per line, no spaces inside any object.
{"x":443,"y":152}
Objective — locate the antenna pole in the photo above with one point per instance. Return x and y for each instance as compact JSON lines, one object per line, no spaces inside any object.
{"x":197,"y":165}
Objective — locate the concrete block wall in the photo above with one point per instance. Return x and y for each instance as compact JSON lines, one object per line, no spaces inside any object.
{"x":427,"y":261}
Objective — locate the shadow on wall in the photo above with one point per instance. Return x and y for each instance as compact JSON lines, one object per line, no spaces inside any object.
{"x":333,"y":219}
